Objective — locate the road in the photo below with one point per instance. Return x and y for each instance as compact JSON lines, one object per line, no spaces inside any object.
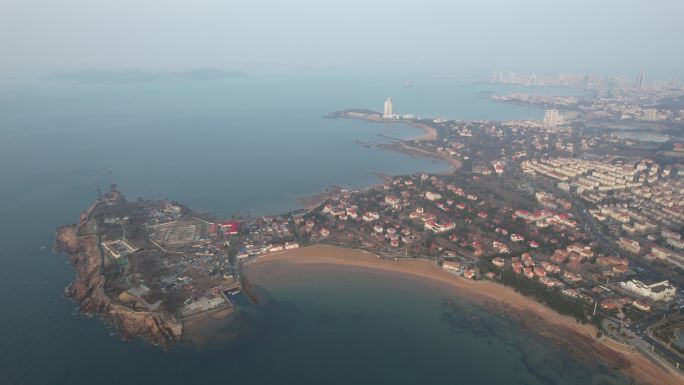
{"x":641,"y":329}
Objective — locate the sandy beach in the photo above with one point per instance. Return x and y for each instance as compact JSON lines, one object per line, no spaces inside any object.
{"x":562,"y":330}
{"x":429,"y":135}
{"x":405,"y":148}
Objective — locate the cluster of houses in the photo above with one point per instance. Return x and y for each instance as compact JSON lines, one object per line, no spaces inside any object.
{"x":407,"y":209}
{"x":578,"y":272}
{"x":635,"y":198}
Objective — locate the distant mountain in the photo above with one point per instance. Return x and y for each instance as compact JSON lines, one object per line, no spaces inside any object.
{"x":207,"y":74}
{"x":137,"y":76}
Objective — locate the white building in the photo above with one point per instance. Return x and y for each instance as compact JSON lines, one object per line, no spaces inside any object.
{"x":433,"y":196}
{"x":439,"y":227}
{"x":552,"y":118}
{"x":392,"y":201}
{"x":659,"y":291}
{"x":650,"y":114}
{"x":640,"y":80}
{"x":389,"y":109}
{"x":629,"y":245}
{"x":452,"y":267}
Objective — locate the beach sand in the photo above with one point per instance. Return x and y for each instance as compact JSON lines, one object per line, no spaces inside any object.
{"x":429,"y":135}
{"x":561,"y":330}
{"x":406,"y":148}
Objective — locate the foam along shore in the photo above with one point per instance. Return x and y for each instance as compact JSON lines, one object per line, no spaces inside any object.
{"x":579,"y":339}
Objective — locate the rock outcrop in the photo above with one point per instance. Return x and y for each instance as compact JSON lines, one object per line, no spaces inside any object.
{"x":88,"y":290}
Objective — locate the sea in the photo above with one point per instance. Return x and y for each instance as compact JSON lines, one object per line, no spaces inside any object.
{"x":248,"y":146}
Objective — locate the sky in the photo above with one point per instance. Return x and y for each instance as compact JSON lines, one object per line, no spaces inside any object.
{"x":448,"y":36}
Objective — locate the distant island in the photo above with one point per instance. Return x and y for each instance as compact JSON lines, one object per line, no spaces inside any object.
{"x":139,"y":76}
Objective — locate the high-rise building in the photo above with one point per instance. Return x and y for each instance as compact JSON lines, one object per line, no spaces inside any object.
{"x":650,"y":114}
{"x":640,"y":79}
{"x":552,"y":118}
{"x":389,"y":109}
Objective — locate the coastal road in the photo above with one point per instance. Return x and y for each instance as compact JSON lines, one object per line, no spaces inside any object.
{"x":641,"y":329}
{"x":639,"y":339}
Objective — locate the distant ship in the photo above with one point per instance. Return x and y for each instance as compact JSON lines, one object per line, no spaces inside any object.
{"x":408,"y":83}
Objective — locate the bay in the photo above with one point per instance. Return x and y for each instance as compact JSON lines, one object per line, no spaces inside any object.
{"x":252,"y":145}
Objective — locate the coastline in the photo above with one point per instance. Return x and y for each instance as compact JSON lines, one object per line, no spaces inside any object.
{"x":580,"y":339}
{"x":81,"y":242}
{"x":165,"y":329}
{"x":405,"y":148}
{"x":403,"y":145}
{"x":312,"y":201}
{"x":430,"y":133}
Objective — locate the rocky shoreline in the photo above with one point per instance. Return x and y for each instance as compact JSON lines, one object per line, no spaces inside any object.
{"x":82,"y":245}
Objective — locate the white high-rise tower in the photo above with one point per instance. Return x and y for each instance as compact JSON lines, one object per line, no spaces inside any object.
{"x":389,"y":109}
{"x":640,"y":80}
{"x":552,"y":118}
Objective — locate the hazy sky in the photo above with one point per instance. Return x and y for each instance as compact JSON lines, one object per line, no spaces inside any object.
{"x":254,"y":35}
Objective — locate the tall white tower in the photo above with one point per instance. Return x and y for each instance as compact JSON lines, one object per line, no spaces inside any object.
{"x":552,"y":118}
{"x":389,"y":109}
{"x":640,"y":79}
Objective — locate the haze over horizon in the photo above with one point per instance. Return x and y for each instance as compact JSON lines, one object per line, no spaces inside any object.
{"x":386,"y":192}
{"x":39,"y":37}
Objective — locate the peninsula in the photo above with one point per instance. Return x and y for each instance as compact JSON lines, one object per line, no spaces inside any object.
{"x":535,"y":218}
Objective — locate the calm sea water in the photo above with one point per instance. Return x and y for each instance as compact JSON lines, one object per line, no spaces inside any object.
{"x":251,"y":145}
{"x":377,"y":328}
